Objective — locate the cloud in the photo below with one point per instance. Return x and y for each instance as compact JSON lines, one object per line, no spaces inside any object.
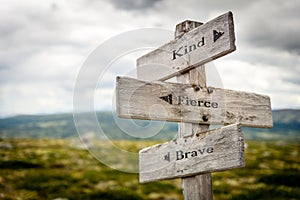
{"x":134,"y":5}
{"x":31,"y":98}
{"x":273,"y":25}
{"x":43,"y":46}
{"x":262,"y":79}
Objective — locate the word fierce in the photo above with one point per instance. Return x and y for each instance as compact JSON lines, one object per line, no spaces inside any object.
{"x":183,"y":50}
{"x":190,"y":102}
{"x":181,"y":155}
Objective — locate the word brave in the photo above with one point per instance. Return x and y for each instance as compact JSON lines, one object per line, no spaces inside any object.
{"x":181,"y":155}
{"x":183,"y":50}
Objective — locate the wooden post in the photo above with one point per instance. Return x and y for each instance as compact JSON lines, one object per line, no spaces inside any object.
{"x":196,"y":187}
{"x":186,"y":61}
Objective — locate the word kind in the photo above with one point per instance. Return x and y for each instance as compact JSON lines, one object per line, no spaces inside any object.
{"x":183,"y":50}
{"x":190,"y":154}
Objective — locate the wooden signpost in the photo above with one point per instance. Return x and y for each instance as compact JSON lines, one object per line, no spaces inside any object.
{"x":196,"y":47}
{"x":198,"y":151}
{"x":216,"y":150}
{"x":187,"y":103}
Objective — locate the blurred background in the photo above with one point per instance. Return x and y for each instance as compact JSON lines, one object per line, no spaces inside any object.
{"x":43,"y":46}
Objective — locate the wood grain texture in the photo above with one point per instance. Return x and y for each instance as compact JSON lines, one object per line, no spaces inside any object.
{"x":190,"y":50}
{"x":198,"y":187}
{"x":215,"y":150}
{"x":141,"y":100}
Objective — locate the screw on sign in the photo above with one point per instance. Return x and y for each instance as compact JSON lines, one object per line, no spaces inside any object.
{"x":198,"y":151}
{"x":181,"y":103}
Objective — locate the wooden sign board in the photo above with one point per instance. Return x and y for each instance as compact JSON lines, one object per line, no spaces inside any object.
{"x":197,"y":47}
{"x":187,"y":103}
{"x":216,"y":150}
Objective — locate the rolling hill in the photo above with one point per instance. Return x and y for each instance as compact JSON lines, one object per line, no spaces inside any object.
{"x":286,"y":127}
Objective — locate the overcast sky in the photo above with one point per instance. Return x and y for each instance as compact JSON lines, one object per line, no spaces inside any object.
{"x":44,"y":44}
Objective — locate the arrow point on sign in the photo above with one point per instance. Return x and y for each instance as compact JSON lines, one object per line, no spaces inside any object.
{"x":217,"y":34}
{"x":167,"y":98}
{"x":167,"y":157}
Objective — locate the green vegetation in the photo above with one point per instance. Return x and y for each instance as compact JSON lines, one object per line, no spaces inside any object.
{"x":56,"y":168}
{"x":53,"y":168}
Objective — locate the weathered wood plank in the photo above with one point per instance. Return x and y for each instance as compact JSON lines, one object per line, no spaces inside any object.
{"x":189,"y":103}
{"x":216,"y":150}
{"x":197,"y":187}
{"x":205,"y":43}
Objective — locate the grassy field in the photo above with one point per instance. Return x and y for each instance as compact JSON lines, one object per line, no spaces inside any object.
{"x":54,"y":169}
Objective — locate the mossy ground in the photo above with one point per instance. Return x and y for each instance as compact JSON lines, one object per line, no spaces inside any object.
{"x":50,"y":169}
